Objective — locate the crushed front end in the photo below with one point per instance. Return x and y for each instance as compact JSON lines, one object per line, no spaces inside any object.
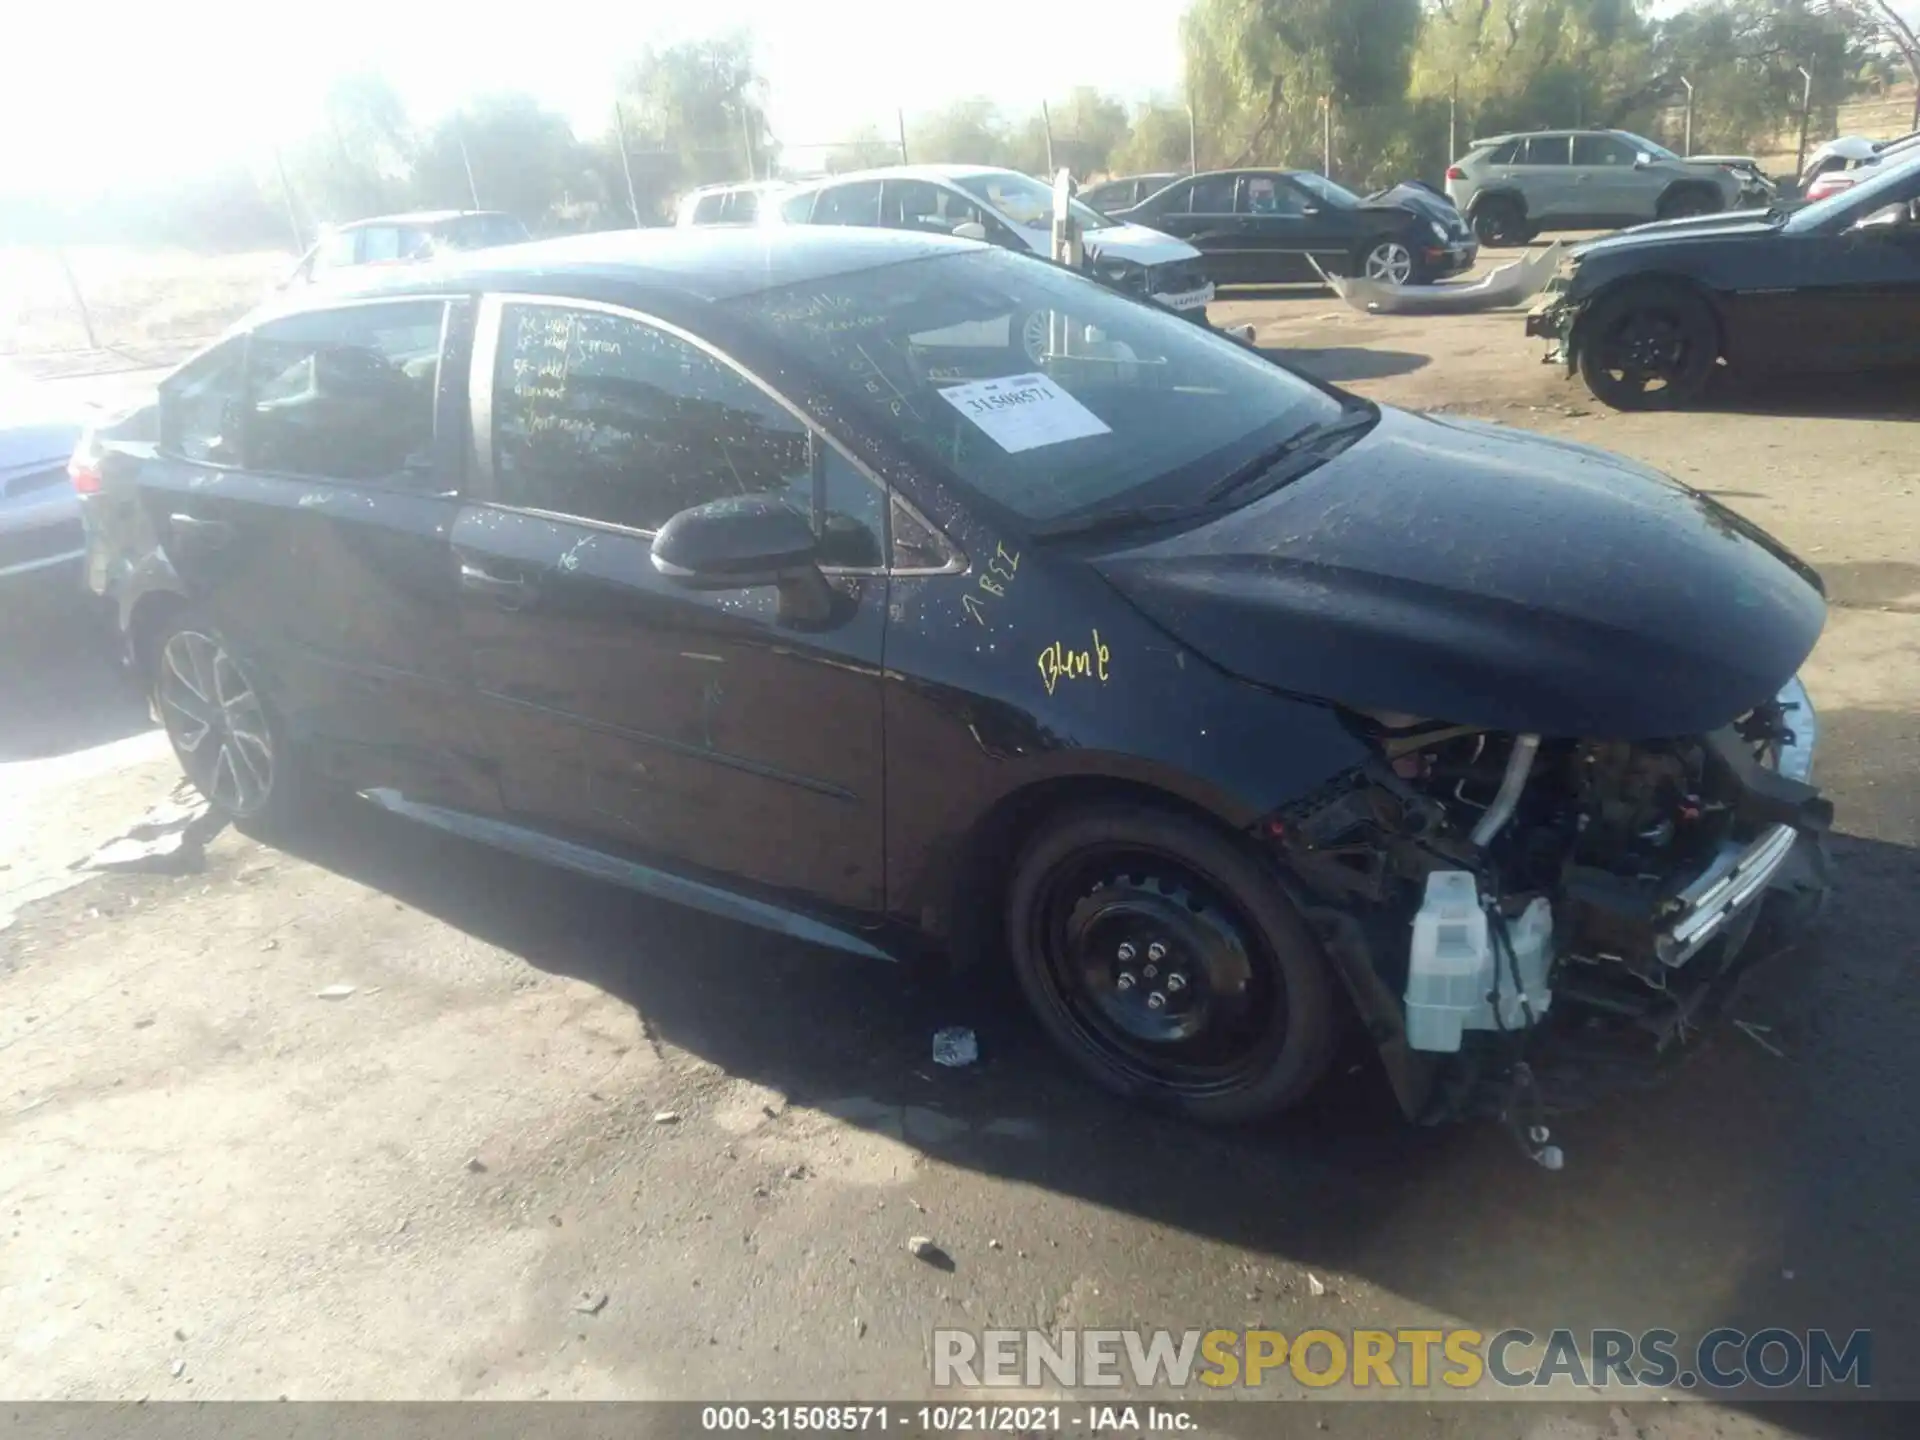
{"x":1553,"y":315}
{"x":1515,"y":915}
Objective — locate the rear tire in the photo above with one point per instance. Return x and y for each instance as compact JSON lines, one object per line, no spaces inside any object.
{"x":1163,"y":958}
{"x":1649,"y":347}
{"x":1501,"y":224}
{"x":231,"y":746}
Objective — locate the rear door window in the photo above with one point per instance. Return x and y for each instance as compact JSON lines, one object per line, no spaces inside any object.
{"x":1212,"y":195}
{"x":708,"y":209}
{"x":347,"y":394}
{"x":855,"y":204}
{"x":1545,"y":150}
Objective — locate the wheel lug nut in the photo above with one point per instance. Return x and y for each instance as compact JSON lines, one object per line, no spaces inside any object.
{"x":1126,"y":950}
{"x":1124,"y":981}
{"x":1176,"y":982}
{"x":1156,"y":1001}
{"x":1156,"y":951}
{"x":1151,"y":971}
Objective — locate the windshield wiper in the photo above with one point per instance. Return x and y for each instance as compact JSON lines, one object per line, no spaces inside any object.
{"x":1308,"y":444}
{"x":1104,"y":522}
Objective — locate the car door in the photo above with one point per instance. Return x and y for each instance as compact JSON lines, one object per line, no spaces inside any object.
{"x":1283,"y":226}
{"x":1607,"y":188}
{"x":1202,"y":212}
{"x":1542,"y":169}
{"x":305,"y":490}
{"x":707,"y":731}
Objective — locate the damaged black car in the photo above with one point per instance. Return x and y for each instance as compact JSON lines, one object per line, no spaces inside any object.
{"x":772,"y":573}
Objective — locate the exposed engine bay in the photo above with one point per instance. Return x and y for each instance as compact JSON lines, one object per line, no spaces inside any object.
{"x":1489,"y":881}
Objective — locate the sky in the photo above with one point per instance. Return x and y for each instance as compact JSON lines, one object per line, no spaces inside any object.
{"x":132,"y":89}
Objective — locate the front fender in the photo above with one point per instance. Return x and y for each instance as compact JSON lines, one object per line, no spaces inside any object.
{"x":150,"y":583}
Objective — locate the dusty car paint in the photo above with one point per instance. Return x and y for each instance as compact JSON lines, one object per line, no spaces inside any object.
{"x":861,"y":772}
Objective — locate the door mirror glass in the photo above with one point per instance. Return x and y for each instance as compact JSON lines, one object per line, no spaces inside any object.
{"x":1642,"y":160}
{"x":970,"y":230}
{"x":732,"y":543}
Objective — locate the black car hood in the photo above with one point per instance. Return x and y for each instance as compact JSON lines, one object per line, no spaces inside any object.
{"x":1465,"y":572}
{"x":1423,"y":203}
{"x":1728,"y":225}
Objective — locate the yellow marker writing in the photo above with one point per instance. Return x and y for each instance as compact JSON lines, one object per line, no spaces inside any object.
{"x":1058,"y":663}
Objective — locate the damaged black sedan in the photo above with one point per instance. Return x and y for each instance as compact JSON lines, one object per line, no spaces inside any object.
{"x":773,"y":573}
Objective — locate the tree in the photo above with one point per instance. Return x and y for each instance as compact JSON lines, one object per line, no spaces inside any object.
{"x":866,"y":150}
{"x":1258,"y":70}
{"x":966,"y":132}
{"x":524,"y":159}
{"x":1883,"y":21}
{"x":359,"y":160}
{"x":1159,"y":141}
{"x":695,"y":114}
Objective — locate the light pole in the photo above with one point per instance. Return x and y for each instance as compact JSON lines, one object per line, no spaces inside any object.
{"x":1193,"y":143}
{"x":1806,"y":112}
{"x":1689,"y":140}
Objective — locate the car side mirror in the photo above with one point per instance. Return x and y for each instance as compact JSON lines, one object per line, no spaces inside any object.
{"x":970,"y":230}
{"x":1897,"y":216}
{"x":1643,"y":161}
{"x":734,"y":543}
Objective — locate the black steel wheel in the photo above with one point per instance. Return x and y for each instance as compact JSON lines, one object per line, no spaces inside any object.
{"x":219,"y":725}
{"x":1165,"y":960}
{"x":1651,"y":347}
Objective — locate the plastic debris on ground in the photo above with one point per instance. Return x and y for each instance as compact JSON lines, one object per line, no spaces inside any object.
{"x":170,"y":838}
{"x":955,"y":1046}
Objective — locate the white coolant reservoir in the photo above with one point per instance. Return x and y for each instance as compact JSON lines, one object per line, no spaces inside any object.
{"x":1451,"y":967}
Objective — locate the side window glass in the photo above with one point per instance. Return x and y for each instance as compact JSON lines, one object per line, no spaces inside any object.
{"x":1545,"y":150}
{"x":744,"y":207}
{"x":1506,"y":154}
{"x":1601,"y":150}
{"x":347,"y":394}
{"x":1264,"y":195}
{"x":610,"y":419}
{"x":799,"y":209}
{"x":857,"y":204}
{"x":708,"y":208}
{"x":915,"y":546}
{"x":1213,"y":195}
{"x":334,"y":251}
{"x":380,"y":243}
{"x":201,"y":408}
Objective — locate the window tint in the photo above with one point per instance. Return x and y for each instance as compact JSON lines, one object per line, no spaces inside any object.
{"x":1212,"y":195}
{"x":346,"y":394}
{"x":1505,"y":154}
{"x":608,"y":418}
{"x":798,"y":209}
{"x":1264,"y":195}
{"x":922,"y":205}
{"x":334,"y":250}
{"x":1602,"y":150}
{"x":857,"y":204}
{"x":707,"y":209}
{"x":201,"y":408}
{"x":1544,"y":150}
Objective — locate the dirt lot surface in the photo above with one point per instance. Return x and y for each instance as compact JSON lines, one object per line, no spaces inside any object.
{"x":461,"y":1179}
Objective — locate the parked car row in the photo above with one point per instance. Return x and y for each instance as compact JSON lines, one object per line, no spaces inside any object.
{"x":776,"y":572}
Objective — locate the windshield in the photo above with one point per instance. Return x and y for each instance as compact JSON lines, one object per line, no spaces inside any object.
{"x":1640,"y":142}
{"x":477,"y":232}
{"x":1048,"y":394}
{"x":1337,"y":196}
{"x":1025,"y":200}
{"x":1896,"y":182}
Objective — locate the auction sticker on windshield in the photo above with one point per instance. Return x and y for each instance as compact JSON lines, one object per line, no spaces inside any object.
{"x":1024,"y":412}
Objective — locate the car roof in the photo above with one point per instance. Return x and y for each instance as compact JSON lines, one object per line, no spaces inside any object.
{"x":416,"y":217}
{"x":915,"y":172}
{"x":700,"y":264}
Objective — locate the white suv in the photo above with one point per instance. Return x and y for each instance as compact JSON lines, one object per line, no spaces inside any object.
{"x":1003,"y":207}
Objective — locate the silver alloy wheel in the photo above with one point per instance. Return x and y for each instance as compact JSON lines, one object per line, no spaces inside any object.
{"x":1391,"y":263}
{"x":216,"y":723}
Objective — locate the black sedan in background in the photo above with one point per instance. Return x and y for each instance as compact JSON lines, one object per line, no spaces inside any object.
{"x":1648,"y":315}
{"x":900,"y":593}
{"x":1259,"y":227}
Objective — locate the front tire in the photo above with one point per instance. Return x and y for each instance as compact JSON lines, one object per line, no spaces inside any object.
{"x":1649,"y":347}
{"x":1163,"y":958}
{"x":226,"y":738}
{"x":1389,"y":262}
